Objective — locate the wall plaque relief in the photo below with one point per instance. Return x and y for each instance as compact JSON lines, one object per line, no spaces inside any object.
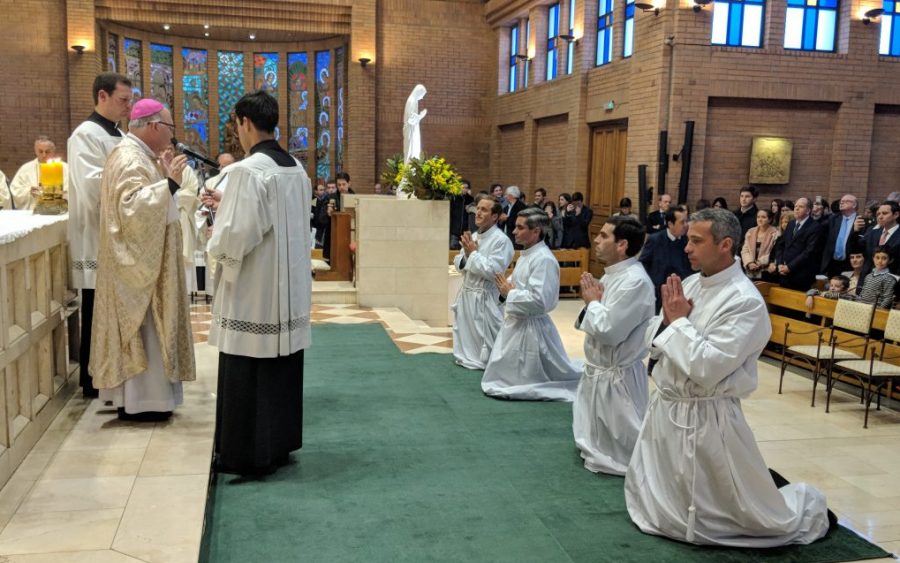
{"x":770,"y":160}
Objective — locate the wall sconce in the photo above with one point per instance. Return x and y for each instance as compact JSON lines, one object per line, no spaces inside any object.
{"x":79,"y":49}
{"x":872,"y":15}
{"x":567,"y":38}
{"x":699,"y":5}
{"x":647,"y":7}
{"x":363,"y":61}
{"x":521,"y":57}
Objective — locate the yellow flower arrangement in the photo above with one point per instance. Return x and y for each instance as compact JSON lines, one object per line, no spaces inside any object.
{"x":432,"y":178}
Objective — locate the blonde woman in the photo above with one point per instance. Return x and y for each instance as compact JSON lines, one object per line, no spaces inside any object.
{"x":758,"y":244}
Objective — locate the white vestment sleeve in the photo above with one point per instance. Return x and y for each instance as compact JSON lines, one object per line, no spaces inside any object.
{"x":242,"y":221}
{"x":533,"y":300}
{"x":487,"y":266}
{"x":87,"y":168}
{"x":611,"y":322}
{"x":710,"y":358}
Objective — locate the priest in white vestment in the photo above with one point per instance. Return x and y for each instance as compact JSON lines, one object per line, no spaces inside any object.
{"x":142,"y":341}
{"x":5,"y":194}
{"x":477,"y":314}
{"x":25,"y":184}
{"x":88,"y":148}
{"x":696,"y":474}
{"x":261,"y":324}
{"x":528,"y":361}
{"x":612,"y":395}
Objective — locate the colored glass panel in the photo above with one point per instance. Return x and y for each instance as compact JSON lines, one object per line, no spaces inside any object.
{"x":527,"y":60}
{"x":298,"y":97}
{"x":890,"y":32}
{"x":604,"y":32}
{"x":231,"y":88}
{"x":195,"y":84}
{"x":738,"y":23}
{"x":340,"y":69}
{"x":513,"y":61}
{"x":133,"y":59}
{"x":162,"y":85}
{"x":265,"y":73}
{"x":323,"y":115}
{"x":112,"y":52}
{"x":570,"y":58}
{"x":628,"y":45}
{"x":552,"y":36}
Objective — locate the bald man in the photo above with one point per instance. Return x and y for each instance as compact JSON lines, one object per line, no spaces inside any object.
{"x":24,"y":185}
{"x":839,"y":237}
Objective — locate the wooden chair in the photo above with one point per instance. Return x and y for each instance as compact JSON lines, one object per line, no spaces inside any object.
{"x":875,"y":371}
{"x":854,"y":320}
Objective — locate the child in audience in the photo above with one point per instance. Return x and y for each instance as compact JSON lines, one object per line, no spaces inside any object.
{"x":878,"y":286}
{"x":838,"y":288}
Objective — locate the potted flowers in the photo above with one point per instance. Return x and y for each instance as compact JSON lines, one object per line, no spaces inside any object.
{"x":430,"y":178}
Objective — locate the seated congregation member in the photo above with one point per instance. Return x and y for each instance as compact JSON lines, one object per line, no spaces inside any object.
{"x":879,"y":284}
{"x":576,"y":222}
{"x":528,"y":360}
{"x":611,"y":398}
{"x":263,"y":292}
{"x":663,"y":253}
{"x":759,"y":243}
{"x":799,"y":255}
{"x":24,"y":185}
{"x":141,"y":343}
{"x":838,"y":288}
{"x":696,"y":474}
{"x":477,"y":310}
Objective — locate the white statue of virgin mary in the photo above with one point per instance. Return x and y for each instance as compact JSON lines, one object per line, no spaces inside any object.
{"x":412,"y":136}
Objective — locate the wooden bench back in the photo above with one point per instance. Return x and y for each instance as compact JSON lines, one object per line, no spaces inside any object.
{"x":572,"y":263}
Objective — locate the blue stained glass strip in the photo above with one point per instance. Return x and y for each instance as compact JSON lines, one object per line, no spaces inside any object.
{"x":323,"y":115}
{"x":809,"y":29}
{"x":735,"y":11}
{"x":895,"y":40}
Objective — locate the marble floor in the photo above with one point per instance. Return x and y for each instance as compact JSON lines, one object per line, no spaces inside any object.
{"x":95,"y":489}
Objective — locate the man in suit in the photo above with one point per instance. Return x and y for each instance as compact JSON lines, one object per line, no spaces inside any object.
{"x":884,"y":233}
{"x":656,"y":221}
{"x":576,"y":223}
{"x":797,"y":260}
{"x":839,"y":238}
{"x":663,"y":253}
{"x":513,"y":197}
{"x":746,"y":213}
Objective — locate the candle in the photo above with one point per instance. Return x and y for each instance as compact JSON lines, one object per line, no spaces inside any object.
{"x":52,"y":173}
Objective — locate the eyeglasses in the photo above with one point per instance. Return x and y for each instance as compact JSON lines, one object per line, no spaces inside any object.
{"x":170,"y":125}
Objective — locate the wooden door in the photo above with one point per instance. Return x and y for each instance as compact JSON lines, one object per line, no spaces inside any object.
{"x":606,"y":177}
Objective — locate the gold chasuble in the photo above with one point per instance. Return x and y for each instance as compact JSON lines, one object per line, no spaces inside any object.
{"x":139,"y":267}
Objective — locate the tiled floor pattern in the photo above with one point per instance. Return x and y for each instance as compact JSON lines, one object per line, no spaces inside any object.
{"x":98,"y":490}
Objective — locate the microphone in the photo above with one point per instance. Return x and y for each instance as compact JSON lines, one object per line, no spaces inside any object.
{"x":184,"y":149}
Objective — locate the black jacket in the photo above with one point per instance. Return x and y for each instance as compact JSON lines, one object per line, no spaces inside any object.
{"x":802,"y":253}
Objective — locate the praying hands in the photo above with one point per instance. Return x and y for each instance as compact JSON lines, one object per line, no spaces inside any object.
{"x":591,"y":289}
{"x":503,"y":284}
{"x":674,"y":304}
{"x":468,"y":244}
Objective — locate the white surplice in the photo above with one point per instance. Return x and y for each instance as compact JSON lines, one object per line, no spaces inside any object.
{"x":263,"y":278}
{"x":29,"y":176}
{"x":477,"y":312}
{"x":187,"y":200}
{"x":696,"y":474}
{"x":87,"y":151}
{"x":528,"y":360}
{"x":612,"y":395}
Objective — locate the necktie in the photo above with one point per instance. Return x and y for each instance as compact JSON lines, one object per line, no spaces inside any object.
{"x":796,"y":228}
{"x":841,"y":242}
{"x":884,"y":237}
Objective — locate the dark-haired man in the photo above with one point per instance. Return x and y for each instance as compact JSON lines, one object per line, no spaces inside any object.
{"x":611,"y":398}
{"x":528,"y":361}
{"x":663,"y":254}
{"x":477,"y":312}
{"x":88,"y":148}
{"x":576,"y":222}
{"x":746,"y":211}
{"x":263,"y":291}
{"x":885,"y":232}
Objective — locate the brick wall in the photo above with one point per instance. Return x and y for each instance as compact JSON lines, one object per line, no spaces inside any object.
{"x":35,"y":98}
{"x":512,"y":148}
{"x":551,"y":173}
{"x":884,"y":166}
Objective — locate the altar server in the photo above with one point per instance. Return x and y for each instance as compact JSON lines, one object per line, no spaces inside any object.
{"x":612,"y":395}
{"x":24,"y":185}
{"x":142,"y":342}
{"x":88,"y":148}
{"x":477,"y":309}
{"x":261,"y":240}
{"x":528,"y":360}
{"x":696,"y":474}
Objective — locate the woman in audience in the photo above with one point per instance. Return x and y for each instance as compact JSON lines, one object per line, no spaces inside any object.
{"x":777,"y":205}
{"x":786,"y":217}
{"x":554,"y":240}
{"x":720,"y":203}
{"x":758,"y":244}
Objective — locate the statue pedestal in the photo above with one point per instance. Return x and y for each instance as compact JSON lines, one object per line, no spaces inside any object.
{"x":402,"y":256}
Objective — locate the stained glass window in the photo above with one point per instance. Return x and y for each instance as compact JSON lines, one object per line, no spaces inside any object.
{"x":196,"y":99}
{"x":112,"y":52}
{"x":552,"y":36}
{"x":570,"y":59}
{"x":738,"y":23}
{"x":133,"y":60}
{"x":628,"y":46}
{"x":231,"y":88}
{"x":298,"y":97}
{"x":162,"y":85}
{"x":527,"y":46}
{"x":810,"y":25}
{"x":265,"y":73}
{"x":323,"y":114}
{"x":513,"y":60}
{"x":604,"y":32}
{"x":340,"y":139}
{"x":890,"y":31}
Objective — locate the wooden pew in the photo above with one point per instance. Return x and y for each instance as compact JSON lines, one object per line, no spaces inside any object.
{"x":569,"y":275}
